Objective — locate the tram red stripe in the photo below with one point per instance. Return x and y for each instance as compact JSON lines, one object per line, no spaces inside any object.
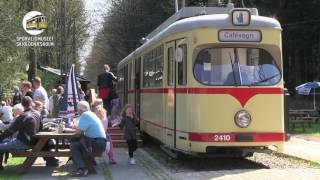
{"x":243,"y":95}
{"x":216,"y":90}
{"x":256,"y":137}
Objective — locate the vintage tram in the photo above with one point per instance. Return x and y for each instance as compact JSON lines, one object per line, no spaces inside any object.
{"x":209,"y":81}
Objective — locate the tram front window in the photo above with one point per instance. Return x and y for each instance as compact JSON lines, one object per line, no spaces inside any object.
{"x":236,"y":67}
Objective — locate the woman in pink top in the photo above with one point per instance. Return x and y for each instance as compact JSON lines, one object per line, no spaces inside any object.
{"x":102,"y":114}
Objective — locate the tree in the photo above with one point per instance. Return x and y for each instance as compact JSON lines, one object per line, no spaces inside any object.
{"x":13,"y":59}
{"x":126,"y":23}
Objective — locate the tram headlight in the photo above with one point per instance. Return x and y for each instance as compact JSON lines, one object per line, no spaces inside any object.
{"x":242,"y":118}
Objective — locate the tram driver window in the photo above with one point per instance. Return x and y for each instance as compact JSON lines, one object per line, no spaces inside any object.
{"x":236,"y":67}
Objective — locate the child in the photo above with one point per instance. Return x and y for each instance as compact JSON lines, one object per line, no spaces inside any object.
{"x":102,"y":114}
{"x":97,"y":103}
{"x":129,"y":123}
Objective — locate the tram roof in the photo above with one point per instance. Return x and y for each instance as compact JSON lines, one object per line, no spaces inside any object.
{"x":219,"y":21}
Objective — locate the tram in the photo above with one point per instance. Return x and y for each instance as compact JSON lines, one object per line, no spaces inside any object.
{"x":209,"y":81}
{"x":37,"y":22}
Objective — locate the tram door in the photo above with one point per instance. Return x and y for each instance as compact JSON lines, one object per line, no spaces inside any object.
{"x":137,"y":86}
{"x":169,"y":100}
{"x":176,"y":103}
{"x":181,"y":100}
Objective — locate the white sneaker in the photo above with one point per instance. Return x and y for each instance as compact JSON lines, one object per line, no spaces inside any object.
{"x":132,"y":161}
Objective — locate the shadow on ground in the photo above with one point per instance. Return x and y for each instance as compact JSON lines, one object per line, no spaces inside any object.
{"x":200,"y":164}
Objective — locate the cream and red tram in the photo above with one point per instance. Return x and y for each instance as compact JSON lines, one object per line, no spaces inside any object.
{"x":210,"y":83}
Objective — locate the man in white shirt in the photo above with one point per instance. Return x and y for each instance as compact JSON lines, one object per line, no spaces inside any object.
{"x":40,"y":94}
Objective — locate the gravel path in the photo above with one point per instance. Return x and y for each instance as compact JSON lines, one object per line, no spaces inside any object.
{"x":260,"y":166}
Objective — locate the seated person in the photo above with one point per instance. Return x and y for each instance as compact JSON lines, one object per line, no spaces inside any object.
{"x":27,"y":125}
{"x":17,"y":111}
{"x":38,"y":106}
{"x":93,"y":131}
{"x":5,"y":113}
{"x":50,"y":161}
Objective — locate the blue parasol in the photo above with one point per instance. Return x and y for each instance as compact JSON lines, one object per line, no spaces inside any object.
{"x":71,"y":96}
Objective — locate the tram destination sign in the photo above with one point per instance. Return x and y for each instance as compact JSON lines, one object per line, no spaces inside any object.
{"x":240,"y":36}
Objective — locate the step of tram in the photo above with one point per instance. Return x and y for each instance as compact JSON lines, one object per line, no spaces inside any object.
{"x":114,"y":130}
{"x":123,"y":143}
{"x":120,"y":136}
{"x":117,"y":136}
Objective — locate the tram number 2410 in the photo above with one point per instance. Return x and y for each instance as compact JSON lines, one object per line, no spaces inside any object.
{"x":222,"y":137}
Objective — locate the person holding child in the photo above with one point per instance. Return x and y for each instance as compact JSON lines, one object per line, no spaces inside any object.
{"x":129,"y":123}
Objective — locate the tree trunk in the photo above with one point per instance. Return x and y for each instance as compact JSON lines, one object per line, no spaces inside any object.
{"x":32,"y":56}
{"x":32,"y":72}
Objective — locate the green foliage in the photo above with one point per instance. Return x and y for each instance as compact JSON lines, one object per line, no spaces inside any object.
{"x":13,"y":59}
{"x":126,"y":23}
{"x":49,"y":80}
{"x":301,"y":37}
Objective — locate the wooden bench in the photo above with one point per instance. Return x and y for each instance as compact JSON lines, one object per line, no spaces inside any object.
{"x":60,"y":150}
{"x":303,"y":121}
{"x":36,"y":151}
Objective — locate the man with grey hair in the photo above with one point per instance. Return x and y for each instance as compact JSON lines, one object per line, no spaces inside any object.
{"x":93,"y":133}
{"x":17,"y":110}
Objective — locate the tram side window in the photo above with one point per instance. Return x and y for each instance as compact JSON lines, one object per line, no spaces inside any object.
{"x":153,"y":68}
{"x":170,"y":66}
{"x":182,"y":66}
{"x":158,"y":76}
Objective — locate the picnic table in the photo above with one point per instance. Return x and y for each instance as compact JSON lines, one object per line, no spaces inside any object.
{"x":61,"y":148}
{"x":303,"y":117}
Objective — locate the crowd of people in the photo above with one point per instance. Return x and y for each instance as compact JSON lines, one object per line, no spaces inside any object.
{"x":21,"y":118}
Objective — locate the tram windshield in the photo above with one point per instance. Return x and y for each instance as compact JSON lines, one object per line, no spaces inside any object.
{"x":236,"y":67}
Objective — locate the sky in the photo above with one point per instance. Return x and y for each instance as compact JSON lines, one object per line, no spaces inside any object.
{"x":95,"y":11}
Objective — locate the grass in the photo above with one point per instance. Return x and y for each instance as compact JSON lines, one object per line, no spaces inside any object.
{"x":313,"y":130}
{"x":9,"y":172}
